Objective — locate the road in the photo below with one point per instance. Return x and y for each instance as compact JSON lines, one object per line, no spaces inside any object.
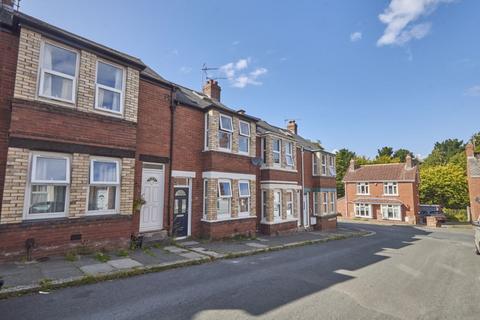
{"x":396,"y":273}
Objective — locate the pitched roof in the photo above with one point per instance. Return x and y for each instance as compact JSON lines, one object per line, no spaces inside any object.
{"x":473,"y":165}
{"x":368,"y":200}
{"x":381,"y":172}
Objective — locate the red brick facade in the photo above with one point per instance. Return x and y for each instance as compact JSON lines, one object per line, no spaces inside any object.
{"x":473,"y":175}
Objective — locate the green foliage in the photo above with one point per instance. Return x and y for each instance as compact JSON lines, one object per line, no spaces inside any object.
{"x":71,"y":256}
{"x":475,"y":139}
{"x":445,"y":185}
{"x":386,"y":152}
{"x":343,"y":158}
{"x":102,"y":257}
{"x":122,"y":253}
{"x":443,"y":151}
{"x":459,"y":215}
{"x":402,"y":154}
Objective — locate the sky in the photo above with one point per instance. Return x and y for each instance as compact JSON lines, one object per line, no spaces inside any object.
{"x":353,"y":74}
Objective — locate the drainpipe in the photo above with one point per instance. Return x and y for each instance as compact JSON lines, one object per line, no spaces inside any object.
{"x":347,"y":215}
{"x":173,"y":106}
{"x":303,"y":186}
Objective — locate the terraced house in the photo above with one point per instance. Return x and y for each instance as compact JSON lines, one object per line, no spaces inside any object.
{"x":97,"y":150}
{"x":381,"y":192}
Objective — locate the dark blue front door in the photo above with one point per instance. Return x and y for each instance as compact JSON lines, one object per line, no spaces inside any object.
{"x":180,"y":212}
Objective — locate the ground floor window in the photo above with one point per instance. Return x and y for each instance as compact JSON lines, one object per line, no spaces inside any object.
{"x":332,"y":202}
{"x":289,"y":202}
{"x":104,"y":187}
{"x":277,"y":204}
{"x":391,"y":212}
{"x":315,"y":203}
{"x":363,"y":210}
{"x":244,"y":197}
{"x":48,"y":185}
{"x":324,"y":202}
{"x":264,"y":204}
{"x":205,"y":198}
{"x":224,"y":199}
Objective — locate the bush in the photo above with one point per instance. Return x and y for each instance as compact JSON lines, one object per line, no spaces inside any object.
{"x":459,"y":215}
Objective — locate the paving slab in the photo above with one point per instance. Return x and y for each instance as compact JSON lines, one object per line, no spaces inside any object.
{"x":174,"y":249}
{"x":189,"y":243}
{"x":98,"y":268}
{"x":59,"y":269}
{"x":125,"y":263}
{"x":256,"y":245}
{"x":192,"y":255}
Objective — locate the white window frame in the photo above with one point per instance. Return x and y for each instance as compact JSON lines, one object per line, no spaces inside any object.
{"x":324,"y":164}
{"x":31,"y":181}
{"x":395,"y":208}
{"x":229,"y":197}
{"x":291,"y":214}
{"x":393,"y":185}
{"x":247,"y":135}
{"x":263,"y":147}
{"x":332,"y":205}
{"x":325,"y":205}
{"x":315,"y":164}
{"x":331,"y":166}
{"x":363,"y":188}
{"x":279,"y":217}
{"x":107,"y":88}
{"x":43,"y":70}
{"x":205,"y":198}
{"x":116,"y":184}
{"x":240,"y":196}
{"x":264,"y":204}
{"x":279,"y":152}
{"x":229,"y":132}
{"x":316,"y":208}
{"x":359,"y":207}
{"x":207,"y":131}
{"x":289,"y":155}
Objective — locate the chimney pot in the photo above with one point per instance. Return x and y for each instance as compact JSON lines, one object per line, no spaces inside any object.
{"x":212,"y":89}
{"x":408,"y":162}
{"x":241,"y":111}
{"x":292,"y":126}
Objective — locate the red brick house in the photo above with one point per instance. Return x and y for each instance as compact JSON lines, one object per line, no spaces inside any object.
{"x":473,"y":175}
{"x":381,"y":192}
{"x":96,"y":148}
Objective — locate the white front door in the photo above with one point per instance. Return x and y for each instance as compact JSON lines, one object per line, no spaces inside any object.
{"x":306,"y":209}
{"x":151,"y":215}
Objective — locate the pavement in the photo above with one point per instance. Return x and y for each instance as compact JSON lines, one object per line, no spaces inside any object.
{"x":38,"y":276}
{"x":393,"y":273}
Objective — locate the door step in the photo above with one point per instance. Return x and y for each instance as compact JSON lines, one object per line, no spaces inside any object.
{"x":149,"y":238}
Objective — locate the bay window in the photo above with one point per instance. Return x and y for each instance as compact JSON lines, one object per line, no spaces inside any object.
{"x":289,"y":154}
{"x":391,"y":212}
{"x":390,"y":188}
{"x":49,"y":181}
{"x":289,"y":203}
{"x":58,"y":73}
{"x":205,"y":198}
{"x":224,"y":199}
{"x":363,"y":188}
{"x":363,"y":210}
{"x":103,"y":195}
{"x":315,"y":163}
{"x":332,"y":202}
{"x":277,"y":205}
{"x":315,"y":203}
{"x":331,"y":166}
{"x":244,"y":197}
{"x":264,"y":205}
{"x":109,"y":88}
{"x":225,"y":133}
{"x":277,"y":147}
{"x":324,"y":165}
{"x":244,"y":137}
{"x":324,"y":202}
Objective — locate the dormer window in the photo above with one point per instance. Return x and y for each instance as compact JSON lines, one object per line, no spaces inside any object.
{"x":225,"y":133}
{"x":109,"y":88}
{"x":58,"y":73}
{"x":244,"y":137}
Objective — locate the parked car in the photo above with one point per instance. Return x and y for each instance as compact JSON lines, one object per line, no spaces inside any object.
{"x":476,"y":226}
{"x":439,"y":215}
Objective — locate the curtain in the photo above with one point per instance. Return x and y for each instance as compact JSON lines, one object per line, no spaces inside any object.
{"x":105,"y":171}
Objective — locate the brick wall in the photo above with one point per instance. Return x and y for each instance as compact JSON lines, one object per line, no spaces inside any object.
{"x":27,"y":77}
{"x":229,"y":228}
{"x":8,"y":64}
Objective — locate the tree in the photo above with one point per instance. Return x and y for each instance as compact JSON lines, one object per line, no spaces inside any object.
{"x":445,"y":185}
{"x":443,"y":151}
{"x":402,"y":154}
{"x":385,"y":152}
{"x":343,"y":158}
{"x":475,"y":139}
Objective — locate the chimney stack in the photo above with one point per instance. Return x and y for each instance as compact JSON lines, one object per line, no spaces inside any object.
{"x":292,"y":126}
{"x":408,"y":162}
{"x":353,"y":165}
{"x":212,"y":89}
{"x":470,"y":150}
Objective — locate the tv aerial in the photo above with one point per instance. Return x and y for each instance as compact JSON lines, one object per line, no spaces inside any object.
{"x":206,"y":73}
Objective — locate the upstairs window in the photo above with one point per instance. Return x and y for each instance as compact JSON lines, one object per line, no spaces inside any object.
{"x":49,"y":180}
{"x":289,"y":154}
{"x":315,"y":163}
{"x":390,"y":188}
{"x":224,"y":199}
{"x":363,"y":188}
{"x":277,"y":147}
{"x":109,"y":88}
{"x":331,"y":166}
{"x":58,"y":73}
{"x":244,"y":137}
{"x":264,"y":149}
{"x":104,"y":185}
{"x":225,"y":133}
{"x":324,"y":165}
{"x":207,"y":130}
{"x":244,"y":197}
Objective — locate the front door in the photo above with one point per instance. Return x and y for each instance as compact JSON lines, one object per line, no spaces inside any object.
{"x":180,"y":212}
{"x":306,"y":208}
{"x":151,"y":215}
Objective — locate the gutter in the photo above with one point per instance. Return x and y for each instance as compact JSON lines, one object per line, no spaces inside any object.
{"x":173,"y":106}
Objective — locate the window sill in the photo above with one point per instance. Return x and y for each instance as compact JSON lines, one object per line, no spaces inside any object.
{"x":101,"y":213}
{"x":106,"y":112}
{"x":228,"y":219}
{"x":228,"y":152}
{"x":279,"y":221}
{"x":278,"y":169}
{"x":44,"y":216}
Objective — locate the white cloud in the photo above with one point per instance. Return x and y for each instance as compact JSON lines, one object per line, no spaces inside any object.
{"x":185,"y":70}
{"x":356,"y":36}
{"x":400,"y":17}
{"x":236,"y":73}
{"x":235,"y":43}
{"x":473,"y":91}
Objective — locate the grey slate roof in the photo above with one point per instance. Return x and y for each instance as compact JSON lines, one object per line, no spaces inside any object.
{"x":473,"y":167}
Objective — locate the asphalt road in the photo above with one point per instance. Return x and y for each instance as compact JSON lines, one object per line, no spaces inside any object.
{"x":396,"y":273}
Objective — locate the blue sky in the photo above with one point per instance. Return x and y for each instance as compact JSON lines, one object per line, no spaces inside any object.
{"x":355,"y":74}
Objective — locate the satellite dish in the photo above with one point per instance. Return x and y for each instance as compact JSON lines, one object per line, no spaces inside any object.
{"x":257,"y":161}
